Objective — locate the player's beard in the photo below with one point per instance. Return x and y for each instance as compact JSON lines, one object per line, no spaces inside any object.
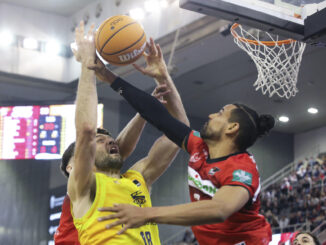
{"x":106,"y":162}
{"x":207,"y":134}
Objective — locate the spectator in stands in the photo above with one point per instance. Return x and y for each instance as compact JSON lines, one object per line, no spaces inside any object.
{"x":302,"y":202}
{"x":301,"y":218}
{"x":293,"y":221}
{"x":307,"y":184}
{"x":301,"y":171}
{"x":305,"y":238}
{"x":283,"y":222}
{"x":285,"y":187}
{"x":318,"y":220}
{"x":322,"y":196}
{"x":272,"y":219}
{"x":293,"y":178}
{"x":299,"y":165}
{"x":316,"y":172}
{"x":309,"y":171}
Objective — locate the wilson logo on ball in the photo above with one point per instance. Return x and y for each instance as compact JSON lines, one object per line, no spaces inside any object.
{"x":132,"y":55}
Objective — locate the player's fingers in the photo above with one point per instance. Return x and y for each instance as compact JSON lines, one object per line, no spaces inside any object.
{"x":108,"y":209}
{"x":108,"y":217}
{"x":159,"y":50}
{"x":147,"y":46}
{"x":94,"y":67}
{"x":123,"y":229}
{"x":77,"y":39}
{"x":153,"y":46}
{"x":118,"y":222}
{"x":145,"y":54}
{"x":91,"y":30}
{"x":81,"y":26}
{"x":161,"y":94}
{"x":161,"y":87}
{"x":79,"y":32}
{"x":150,"y":48}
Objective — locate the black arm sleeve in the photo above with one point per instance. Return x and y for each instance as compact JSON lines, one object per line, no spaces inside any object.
{"x":152,"y":111}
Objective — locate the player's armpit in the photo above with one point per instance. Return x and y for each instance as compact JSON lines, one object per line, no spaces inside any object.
{"x":158,"y":160}
{"x":231,"y":199}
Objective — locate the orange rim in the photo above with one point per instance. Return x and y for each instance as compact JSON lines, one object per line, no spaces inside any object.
{"x":267,"y":43}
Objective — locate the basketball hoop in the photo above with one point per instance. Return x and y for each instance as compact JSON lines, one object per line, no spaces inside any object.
{"x":277,"y":61}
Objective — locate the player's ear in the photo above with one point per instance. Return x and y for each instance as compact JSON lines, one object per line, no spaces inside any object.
{"x":69,"y":168}
{"x":232,"y":128}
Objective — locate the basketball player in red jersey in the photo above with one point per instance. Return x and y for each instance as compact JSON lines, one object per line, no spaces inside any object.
{"x":223,"y":178}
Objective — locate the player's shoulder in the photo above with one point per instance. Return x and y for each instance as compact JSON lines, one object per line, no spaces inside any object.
{"x":194,"y":139}
{"x":134,"y":176}
{"x":242,"y":160}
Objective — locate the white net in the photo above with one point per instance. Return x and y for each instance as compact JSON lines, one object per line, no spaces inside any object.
{"x":277,"y":62}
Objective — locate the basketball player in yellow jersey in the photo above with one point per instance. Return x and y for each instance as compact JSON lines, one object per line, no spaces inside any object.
{"x":90,"y":190}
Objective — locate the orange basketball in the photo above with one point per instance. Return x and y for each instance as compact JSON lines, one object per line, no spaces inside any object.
{"x":120,"y":40}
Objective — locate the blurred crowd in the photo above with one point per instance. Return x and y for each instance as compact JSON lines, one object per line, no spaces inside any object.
{"x":299,"y":200}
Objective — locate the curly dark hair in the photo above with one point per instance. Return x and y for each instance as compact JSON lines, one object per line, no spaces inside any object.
{"x":69,"y":152}
{"x":252,"y":125}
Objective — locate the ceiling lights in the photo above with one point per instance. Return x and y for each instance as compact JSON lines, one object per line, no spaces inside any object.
{"x":283,"y":119}
{"x":30,"y":43}
{"x":313,"y":110}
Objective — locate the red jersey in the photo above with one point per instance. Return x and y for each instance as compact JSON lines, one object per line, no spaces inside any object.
{"x":66,"y":233}
{"x":206,"y":176}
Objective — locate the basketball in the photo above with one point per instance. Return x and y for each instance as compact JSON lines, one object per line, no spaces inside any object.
{"x":120,"y":40}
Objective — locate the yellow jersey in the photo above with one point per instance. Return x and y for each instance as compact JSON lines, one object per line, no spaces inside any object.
{"x":130,"y":189}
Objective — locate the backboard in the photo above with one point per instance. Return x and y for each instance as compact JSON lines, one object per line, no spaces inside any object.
{"x":303,"y":20}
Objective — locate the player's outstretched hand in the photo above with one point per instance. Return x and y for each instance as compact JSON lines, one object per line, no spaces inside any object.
{"x":84,"y":46}
{"x":128,"y":215}
{"x":160,"y":91}
{"x":156,"y":66}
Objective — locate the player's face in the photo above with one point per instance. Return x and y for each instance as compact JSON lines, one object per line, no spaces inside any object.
{"x":217,"y":123}
{"x":303,"y":239}
{"x":107,"y":155}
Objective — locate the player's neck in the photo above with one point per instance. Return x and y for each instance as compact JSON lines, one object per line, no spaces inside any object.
{"x":113,"y":173}
{"x":220,"y":149}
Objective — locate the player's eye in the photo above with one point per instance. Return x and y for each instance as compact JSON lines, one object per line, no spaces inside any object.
{"x":100,"y":140}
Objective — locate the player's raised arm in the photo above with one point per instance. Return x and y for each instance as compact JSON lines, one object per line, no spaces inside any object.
{"x":157,"y":69}
{"x":86,"y":116}
{"x":129,"y":136}
{"x":163,"y":151}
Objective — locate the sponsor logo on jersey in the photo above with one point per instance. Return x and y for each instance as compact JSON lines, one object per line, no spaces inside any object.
{"x":196,"y":133}
{"x":195,"y":157}
{"x":213,"y":170}
{"x":197,"y":196}
{"x":242,"y":176}
{"x":205,"y":186}
{"x":136,"y":182}
{"x":139,"y":199}
{"x":136,"y":52}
